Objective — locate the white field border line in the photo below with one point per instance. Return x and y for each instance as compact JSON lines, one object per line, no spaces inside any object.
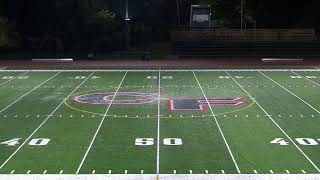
{"x":290,"y":92}
{"x":99,"y":127}
{"x":274,"y":122}
{"x":218,"y":125}
{"x":30,"y":136}
{"x":29,"y":92}
{"x":162,"y":70}
{"x":281,"y":59}
{"x":14,"y":78}
{"x":306,"y":78}
{"x":158,"y":125}
{"x":53,"y":60}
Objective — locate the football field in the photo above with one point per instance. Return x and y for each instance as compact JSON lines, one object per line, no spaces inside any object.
{"x":160,"y":122}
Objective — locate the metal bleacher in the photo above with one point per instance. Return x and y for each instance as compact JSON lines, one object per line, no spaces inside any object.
{"x":236,"y":42}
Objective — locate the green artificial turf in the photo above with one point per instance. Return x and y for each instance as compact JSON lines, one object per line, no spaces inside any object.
{"x":45,"y":129}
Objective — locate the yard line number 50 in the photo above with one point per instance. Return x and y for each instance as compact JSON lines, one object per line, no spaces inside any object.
{"x":150,"y":141}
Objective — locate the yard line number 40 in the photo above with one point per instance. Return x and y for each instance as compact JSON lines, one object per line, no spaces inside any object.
{"x":301,"y":141}
{"x":32,"y":142}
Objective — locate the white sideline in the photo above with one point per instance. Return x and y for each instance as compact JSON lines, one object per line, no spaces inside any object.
{"x":14,"y":78}
{"x":163,"y":177}
{"x":290,"y":92}
{"x":218,"y":125}
{"x":274,"y":122}
{"x":29,"y":92}
{"x":162,"y":70}
{"x":102,"y":120}
{"x":28,"y":138}
{"x":158,"y":125}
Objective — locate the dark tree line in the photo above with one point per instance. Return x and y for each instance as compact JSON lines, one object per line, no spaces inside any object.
{"x":99,"y":24}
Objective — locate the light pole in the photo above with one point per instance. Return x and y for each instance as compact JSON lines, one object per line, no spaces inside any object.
{"x":241,"y":19}
{"x":178,"y":12}
{"x":127,"y":19}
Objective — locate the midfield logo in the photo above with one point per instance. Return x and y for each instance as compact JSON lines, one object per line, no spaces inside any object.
{"x":174,"y":104}
{"x":195,"y":104}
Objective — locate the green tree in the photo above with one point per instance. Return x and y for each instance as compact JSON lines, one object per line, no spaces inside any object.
{"x":9,"y":37}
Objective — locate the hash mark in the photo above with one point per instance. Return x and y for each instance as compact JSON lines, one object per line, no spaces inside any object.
{"x":109,"y":172}
{"x":255,"y":171}
{"x":206,"y":171}
{"x":222,"y":171}
{"x":303,"y":171}
{"x":94,"y":171}
{"x":141,"y":172}
{"x":301,"y":115}
{"x":190,"y":171}
{"x":271,"y":172}
{"x":126,"y":171}
{"x":174,"y":172}
{"x":12,"y":171}
{"x":287,"y":171}
{"x":29,"y":172}
{"x":45,"y":171}
{"x":61,"y":172}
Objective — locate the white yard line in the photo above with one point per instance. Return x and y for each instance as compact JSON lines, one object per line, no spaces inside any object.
{"x":306,"y":78}
{"x":29,"y":92}
{"x":14,"y":78}
{"x":28,"y":138}
{"x":102,"y":120}
{"x":158,"y":126}
{"x":218,"y":125}
{"x":290,"y":92}
{"x":275,"y":123}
